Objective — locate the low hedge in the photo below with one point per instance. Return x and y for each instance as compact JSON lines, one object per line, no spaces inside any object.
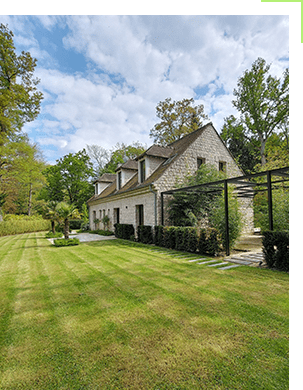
{"x":53,"y":235}
{"x":276,"y":249}
{"x":102,"y":232}
{"x":145,"y":234}
{"x":63,"y":242}
{"x":124,"y":231}
{"x":21,"y":225}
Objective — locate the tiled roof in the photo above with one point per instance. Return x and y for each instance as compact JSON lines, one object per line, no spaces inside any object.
{"x":129,"y":164}
{"x":171,"y":153}
{"x":106,"y":178}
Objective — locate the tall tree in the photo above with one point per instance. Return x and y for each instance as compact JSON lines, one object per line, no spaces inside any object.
{"x":99,"y":157}
{"x":69,"y":179}
{"x":177,"y":118}
{"x":19,"y":98}
{"x":121,"y":153}
{"x":244,"y":148}
{"x":263,"y":102}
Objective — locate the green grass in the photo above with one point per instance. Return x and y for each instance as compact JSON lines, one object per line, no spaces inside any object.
{"x":117,"y":315}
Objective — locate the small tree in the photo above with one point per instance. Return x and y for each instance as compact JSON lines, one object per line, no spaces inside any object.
{"x":49,"y":212}
{"x":66,"y":212}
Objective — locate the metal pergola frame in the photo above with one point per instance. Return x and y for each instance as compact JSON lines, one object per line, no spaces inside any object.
{"x":244,"y":189}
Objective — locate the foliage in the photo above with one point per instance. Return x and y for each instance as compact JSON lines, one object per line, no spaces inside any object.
{"x":208,"y":242}
{"x":145,"y":234}
{"x":19,"y":98}
{"x":121,"y":153}
{"x":244,"y":148}
{"x":158,"y":235}
{"x":53,"y":235}
{"x":105,"y":220}
{"x":124,"y":231}
{"x":102,"y":232}
{"x":276,"y":249}
{"x":68,"y":180}
{"x":263,"y":102}
{"x":66,"y":242}
{"x":21,"y":178}
{"x":65,"y":213}
{"x":17,"y":224}
{"x":190,"y":208}
{"x":217,"y":218}
{"x":99,"y":157}
{"x":280,"y":200}
{"x":177,"y":118}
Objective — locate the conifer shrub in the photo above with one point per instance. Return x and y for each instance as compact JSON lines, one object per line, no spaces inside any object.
{"x":276,"y":249}
{"x":158,"y":235}
{"x":145,"y":234}
{"x":124,"y":231}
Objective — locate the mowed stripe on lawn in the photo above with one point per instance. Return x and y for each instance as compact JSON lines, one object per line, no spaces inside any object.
{"x":115,"y":315}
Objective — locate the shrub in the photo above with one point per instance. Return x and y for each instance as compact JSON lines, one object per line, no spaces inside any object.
{"x":190,"y":239}
{"x":103,"y":232}
{"x":124,"y":231}
{"x":276,"y":249}
{"x":169,"y":237}
{"x":18,"y":224}
{"x":66,"y":242}
{"x":75,"y":224}
{"x":158,"y":235}
{"x":179,"y":232}
{"x":208,"y":242}
{"x":145,"y":234}
{"x":53,"y":235}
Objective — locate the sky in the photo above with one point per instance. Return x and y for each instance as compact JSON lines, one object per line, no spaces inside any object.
{"x":103,"y":76}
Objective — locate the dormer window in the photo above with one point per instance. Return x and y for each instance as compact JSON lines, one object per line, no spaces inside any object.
{"x":119,"y":178}
{"x":142,"y":171}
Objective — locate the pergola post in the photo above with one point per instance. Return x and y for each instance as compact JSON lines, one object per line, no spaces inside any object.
{"x":226,"y":217}
{"x":269,"y":194}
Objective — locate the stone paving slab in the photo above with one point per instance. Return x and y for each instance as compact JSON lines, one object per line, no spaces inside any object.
{"x":210,"y":261}
{"x":217,"y":265}
{"x":231,"y":266}
{"x":202,"y":258}
{"x":238,"y":261}
{"x":251,"y":259}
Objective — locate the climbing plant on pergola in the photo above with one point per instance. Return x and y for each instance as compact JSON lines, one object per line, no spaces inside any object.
{"x":243,"y":186}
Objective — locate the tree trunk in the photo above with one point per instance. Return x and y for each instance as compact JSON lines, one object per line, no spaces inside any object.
{"x":263,"y":158}
{"x":30,"y":199}
{"x":53,"y":227}
{"x":66,"y":229}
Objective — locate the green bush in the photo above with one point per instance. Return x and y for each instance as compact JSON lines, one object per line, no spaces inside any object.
{"x":208,"y":242}
{"x":75,"y":224}
{"x":191,"y":239}
{"x":18,"y":224}
{"x":276,"y":249}
{"x":63,"y":242}
{"x":169,"y":237}
{"x":145,"y":234}
{"x":102,"y":232}
{"x":124,"y":231}
{"x":179,"y":233}
{"x":158,"y":235}
{"x":52,"y":235}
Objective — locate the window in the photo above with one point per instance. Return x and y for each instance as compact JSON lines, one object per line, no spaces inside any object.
{"x":142,"y":171}
{"x":96,"y":188}
{"x":119,"y":180}
{"x":222,"y":166}
{"x":200,"y":161}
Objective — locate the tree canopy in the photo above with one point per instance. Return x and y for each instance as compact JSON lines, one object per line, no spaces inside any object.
{"x":177,"y":118}
{"x":69,"y":179}
{"x":19,"y":98}
{"x":263,"y":103}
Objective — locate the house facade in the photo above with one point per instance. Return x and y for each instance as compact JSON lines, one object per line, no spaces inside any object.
{"x":132,"y":195}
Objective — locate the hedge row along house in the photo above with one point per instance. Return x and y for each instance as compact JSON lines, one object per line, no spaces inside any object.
{"x":132,"y":195}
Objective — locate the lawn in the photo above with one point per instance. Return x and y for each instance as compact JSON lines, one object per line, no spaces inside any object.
{"x":118,"y":315}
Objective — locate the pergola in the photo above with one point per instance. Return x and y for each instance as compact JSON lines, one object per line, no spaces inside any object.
{"x":244,"y":188}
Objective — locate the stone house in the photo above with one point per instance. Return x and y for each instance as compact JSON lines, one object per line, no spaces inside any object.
{"x":132,"y":195}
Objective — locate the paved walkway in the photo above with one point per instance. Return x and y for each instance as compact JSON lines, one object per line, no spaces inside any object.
{"x":87,"y":237}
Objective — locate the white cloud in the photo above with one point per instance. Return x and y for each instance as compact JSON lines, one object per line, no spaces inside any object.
{"x":133,"y":62}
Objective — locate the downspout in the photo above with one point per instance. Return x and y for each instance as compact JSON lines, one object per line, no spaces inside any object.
{"x":155,"y":202}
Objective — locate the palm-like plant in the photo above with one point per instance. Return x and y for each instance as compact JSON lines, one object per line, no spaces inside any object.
{"x":66,"y":212}
{"x":49,"y":212}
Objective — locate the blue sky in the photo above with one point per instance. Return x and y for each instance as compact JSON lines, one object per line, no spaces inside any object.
{"x":102,"y":76}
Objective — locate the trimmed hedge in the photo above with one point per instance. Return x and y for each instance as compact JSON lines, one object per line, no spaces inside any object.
{"x":63,"y":242}
{"x":52,"y":235}
{"x":145,"y":234}
{"x":75,"y":224}
{"x":23,"y":225}
{"x":276,"y":249}
{"x":124,"y":231}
